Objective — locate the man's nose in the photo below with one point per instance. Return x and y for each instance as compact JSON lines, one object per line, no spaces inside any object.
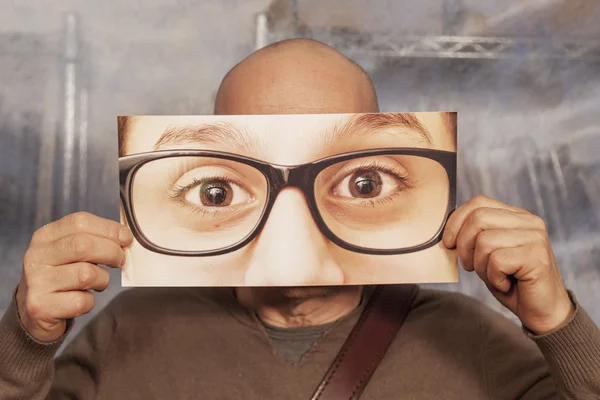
{"x":291,"y":250}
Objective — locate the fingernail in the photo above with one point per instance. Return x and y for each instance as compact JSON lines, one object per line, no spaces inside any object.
{"x":125,"y":235}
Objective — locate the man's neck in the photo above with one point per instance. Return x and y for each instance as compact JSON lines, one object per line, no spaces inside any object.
{"x":298,"y":307}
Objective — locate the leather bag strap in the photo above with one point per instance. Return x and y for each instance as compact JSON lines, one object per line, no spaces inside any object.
{"x":367,"y":343}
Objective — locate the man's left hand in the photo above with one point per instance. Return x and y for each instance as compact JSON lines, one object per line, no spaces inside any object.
{"x":510,"y":251}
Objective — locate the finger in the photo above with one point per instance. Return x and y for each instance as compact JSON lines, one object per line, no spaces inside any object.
{"x":482,"y":219}
{"x":491,"y":240}
{"x":504,"y":263}
{"x":76,"y":276}
{"x":60,"y":305}
{"x":525,"y":263}
{"x":458,"y":217}
{"x":83,"y":222}
{"x":81,"y":247}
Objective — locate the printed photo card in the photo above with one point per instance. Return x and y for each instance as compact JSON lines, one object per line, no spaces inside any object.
{"x":288,"y":200}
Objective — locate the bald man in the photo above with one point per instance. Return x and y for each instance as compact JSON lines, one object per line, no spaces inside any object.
{"x":277,"y":343}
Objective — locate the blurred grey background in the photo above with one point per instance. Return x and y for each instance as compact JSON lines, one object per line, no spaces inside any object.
{"x":523,"y":75}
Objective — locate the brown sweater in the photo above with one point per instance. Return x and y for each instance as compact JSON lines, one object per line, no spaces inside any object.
{"x":200,"y":344}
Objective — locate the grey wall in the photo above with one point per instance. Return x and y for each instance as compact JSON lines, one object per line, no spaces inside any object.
{"x":528,"y":129}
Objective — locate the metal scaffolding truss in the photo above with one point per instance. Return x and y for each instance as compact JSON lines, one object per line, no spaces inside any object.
{"x":393,"y":45}
{"x":475,"y":47}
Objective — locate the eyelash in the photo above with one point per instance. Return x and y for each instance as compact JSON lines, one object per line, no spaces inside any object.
{"x":380,"y":168}
{"x":180,"y":191}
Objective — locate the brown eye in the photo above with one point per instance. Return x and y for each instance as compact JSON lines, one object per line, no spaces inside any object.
{"x":215,"y":194}
{"x":365,"y":184}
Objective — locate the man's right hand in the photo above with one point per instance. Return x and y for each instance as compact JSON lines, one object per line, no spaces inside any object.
{"x":60,"y":268}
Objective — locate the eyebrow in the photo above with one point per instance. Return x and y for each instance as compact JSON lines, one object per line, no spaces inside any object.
{"x":231,"y":135}
{"x":220,"y":133}
{"x":365,"y":124}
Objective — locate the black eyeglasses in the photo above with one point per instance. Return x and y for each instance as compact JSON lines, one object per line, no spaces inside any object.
{"x":204,"y":203}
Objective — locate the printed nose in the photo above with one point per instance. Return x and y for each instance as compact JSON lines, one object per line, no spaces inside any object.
{"x":291,"y":250}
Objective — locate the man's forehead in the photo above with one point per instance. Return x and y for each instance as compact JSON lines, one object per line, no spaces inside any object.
{"x":255,"y":122}
{"x":319,"y":96}
{"x":258,"y":123}
{"x":307,"y":82}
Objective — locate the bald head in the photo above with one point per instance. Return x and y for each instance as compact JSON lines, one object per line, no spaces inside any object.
{"x":296,"y":76}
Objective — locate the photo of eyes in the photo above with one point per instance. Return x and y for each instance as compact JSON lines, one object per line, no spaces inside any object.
{"x":328,"y":199}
